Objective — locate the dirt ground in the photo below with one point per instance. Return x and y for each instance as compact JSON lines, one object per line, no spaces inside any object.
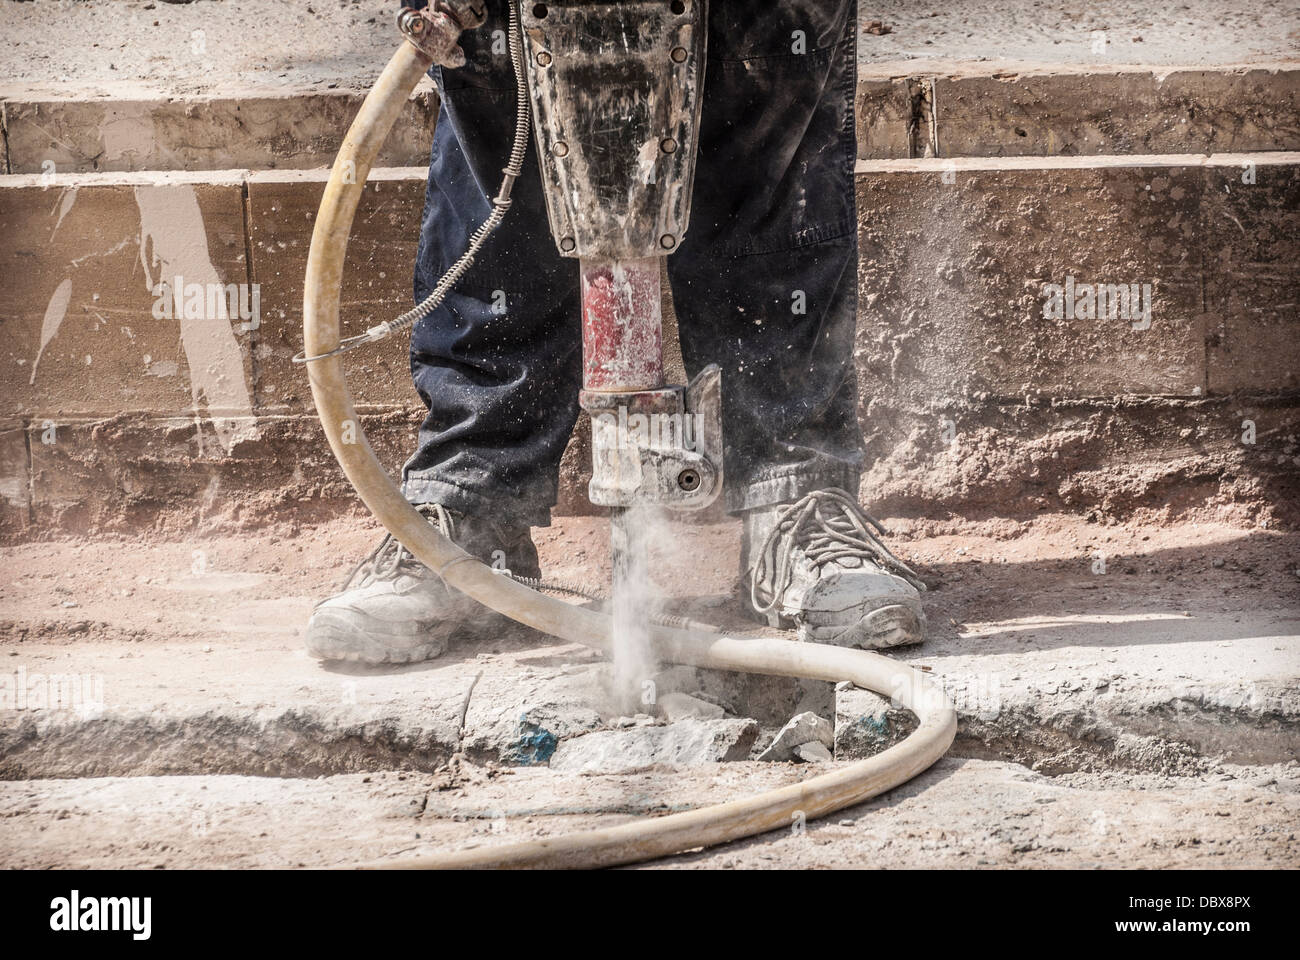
{"x":1133,"y":751}
{"x":115,"y":588}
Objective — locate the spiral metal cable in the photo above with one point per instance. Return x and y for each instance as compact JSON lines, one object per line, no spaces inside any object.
{"x":500,"y":206}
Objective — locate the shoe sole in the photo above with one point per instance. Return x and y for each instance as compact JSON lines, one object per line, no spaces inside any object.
{"x":895,"y":625}
{"x":326,"y":643}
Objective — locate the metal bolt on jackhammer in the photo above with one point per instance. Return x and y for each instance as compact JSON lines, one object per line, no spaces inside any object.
{"x":410,"y":22}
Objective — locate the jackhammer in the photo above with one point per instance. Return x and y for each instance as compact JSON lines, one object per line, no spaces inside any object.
{"x":613,"y":90}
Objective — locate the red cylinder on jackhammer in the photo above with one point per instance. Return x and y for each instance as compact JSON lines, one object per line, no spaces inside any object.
{"x":622,"y":325}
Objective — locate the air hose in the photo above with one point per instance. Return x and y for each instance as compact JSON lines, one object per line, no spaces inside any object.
{"x":642,"y":839}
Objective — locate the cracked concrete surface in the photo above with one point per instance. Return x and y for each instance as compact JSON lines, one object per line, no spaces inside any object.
{"x":959,"y":814}
{"x":1152,"y":718}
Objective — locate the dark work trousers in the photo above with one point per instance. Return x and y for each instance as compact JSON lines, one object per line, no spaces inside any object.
{"x":765,"y":281}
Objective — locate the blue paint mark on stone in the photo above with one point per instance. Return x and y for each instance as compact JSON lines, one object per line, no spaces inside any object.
{"x":532,"y":745}
{"x":878,"y":727}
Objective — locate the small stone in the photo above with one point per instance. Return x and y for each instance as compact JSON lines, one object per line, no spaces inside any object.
{"x":812,"y":752}
{"x":679,"y":706}
{"x":802,"y":728}
{"x":685,"y":742}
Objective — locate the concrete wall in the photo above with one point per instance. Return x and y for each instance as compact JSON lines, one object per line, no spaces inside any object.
{"x":973,"y":402}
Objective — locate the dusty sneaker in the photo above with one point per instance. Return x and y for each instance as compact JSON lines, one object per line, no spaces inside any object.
{"x":819,"y":565}
{"x":394,"y":609}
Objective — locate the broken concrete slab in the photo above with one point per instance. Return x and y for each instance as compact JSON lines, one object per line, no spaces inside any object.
{"x":237,"y":705}
{"x":1100,"y":672}
{"x":686,"y":742}
{"x":520,"y":717}
{"x":801,"y":729}
{"x":769,"y":700}
{"x":867,"y":723}
{"x":1082,"y":710}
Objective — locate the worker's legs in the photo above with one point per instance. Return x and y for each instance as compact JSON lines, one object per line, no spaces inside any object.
{"x":765,"y":283}
{"x":499,"y":363}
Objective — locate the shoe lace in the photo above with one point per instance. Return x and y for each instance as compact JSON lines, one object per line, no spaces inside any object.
{"x":830,"y":526}
{"x":390,"y":558}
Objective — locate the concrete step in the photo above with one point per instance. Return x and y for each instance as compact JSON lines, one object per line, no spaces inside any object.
{"x":957,"y":363}
{"x":257,"y":131}
{"x":242,"y":85}
{"x":1004,"y":111}
{"x":1007,"y":114}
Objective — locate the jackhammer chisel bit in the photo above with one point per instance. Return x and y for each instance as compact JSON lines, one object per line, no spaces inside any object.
{"x":615,"y":98}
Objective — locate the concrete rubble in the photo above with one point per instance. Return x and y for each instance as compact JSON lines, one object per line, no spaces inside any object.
{"x":802,"y":730}
{"x":688,"y":741}
{"x":681,"y":706}
{"x":867,"y":723}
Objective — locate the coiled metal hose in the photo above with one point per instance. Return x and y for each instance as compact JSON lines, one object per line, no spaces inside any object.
{"x":500,"y":206}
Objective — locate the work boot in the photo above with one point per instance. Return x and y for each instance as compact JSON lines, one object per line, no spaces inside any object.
{"x":394,"y":609}
{"x":819,"y":565}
